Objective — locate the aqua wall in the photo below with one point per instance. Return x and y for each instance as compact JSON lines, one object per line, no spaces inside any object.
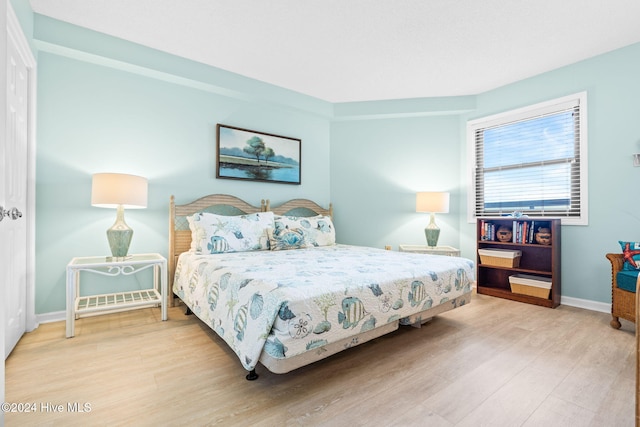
{"x":100,"y":115}
{"x":377,"y":166}
{"x":382,"y":155}
{"x":612,"y":84}
{"x":109,"y":105}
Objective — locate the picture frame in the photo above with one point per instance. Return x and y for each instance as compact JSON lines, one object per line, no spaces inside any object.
{"x":245,"y":154}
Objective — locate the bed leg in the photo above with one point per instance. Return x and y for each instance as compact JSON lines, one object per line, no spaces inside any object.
{"x":252,"y":376}
{"x":188,"y":312}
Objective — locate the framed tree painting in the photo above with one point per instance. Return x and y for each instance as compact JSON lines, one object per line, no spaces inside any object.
{"x":256,"y":156}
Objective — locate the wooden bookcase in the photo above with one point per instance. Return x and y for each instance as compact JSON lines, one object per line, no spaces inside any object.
{"x":537,"y":260}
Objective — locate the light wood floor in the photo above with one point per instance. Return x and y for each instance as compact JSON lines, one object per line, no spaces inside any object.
{"x":493,"y":362}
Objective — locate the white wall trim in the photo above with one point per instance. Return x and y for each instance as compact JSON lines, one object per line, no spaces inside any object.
{"x":54,"y":316}
{"x":60,"y":316}
{"x":586,"y":304}
{"x":601,"y":307}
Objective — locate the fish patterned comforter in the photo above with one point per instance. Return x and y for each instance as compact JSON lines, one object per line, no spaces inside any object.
{"x":288,"y":302}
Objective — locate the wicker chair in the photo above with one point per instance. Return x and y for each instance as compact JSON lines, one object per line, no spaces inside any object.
{"x":623,"y":303}
{"x":637,"y":358}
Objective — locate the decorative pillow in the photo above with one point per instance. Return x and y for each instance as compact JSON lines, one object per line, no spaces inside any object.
{"x":212,"y":233}
{"x":631,"y":252}
{"x":292,"y":232}
{"x":287,"y":239}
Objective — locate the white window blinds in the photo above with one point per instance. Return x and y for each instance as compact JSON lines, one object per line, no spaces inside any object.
{"x":531,"y":160}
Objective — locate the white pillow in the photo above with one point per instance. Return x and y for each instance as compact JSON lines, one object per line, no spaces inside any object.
{"x":212,"y":233}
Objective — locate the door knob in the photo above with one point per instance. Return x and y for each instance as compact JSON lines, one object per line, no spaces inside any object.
{"x":14,"y":213}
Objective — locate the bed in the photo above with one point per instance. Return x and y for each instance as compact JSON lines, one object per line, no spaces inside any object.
{"x":273,"y":283}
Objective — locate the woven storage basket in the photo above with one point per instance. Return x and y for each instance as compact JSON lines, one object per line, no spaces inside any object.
{"x":526,"y":284}
{"x":500,"y":257}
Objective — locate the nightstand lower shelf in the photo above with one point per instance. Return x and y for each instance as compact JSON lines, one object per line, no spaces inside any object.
{"x":122,"y":301}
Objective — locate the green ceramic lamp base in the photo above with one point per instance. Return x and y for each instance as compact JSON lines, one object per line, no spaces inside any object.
{"x":432,"y":232}
{"x":119,"y":235}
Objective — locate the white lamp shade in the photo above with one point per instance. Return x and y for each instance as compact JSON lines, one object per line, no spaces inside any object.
{"x":109,"y":190}
{"x":432,"y":201}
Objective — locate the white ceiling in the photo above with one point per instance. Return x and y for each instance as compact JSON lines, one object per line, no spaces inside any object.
{"x":360,"y":50}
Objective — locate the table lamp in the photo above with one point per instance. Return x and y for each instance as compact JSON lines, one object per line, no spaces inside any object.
{"x":432,"y":202}
{"x":116,"y":190}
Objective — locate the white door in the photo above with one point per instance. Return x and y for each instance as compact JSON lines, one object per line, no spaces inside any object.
{"x":13,"y":196}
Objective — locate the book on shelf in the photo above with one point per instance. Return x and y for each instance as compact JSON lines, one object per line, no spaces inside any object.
{"x":522,"y":231}
{"x":487,"y":230}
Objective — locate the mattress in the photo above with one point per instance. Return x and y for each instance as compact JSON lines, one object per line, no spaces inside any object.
{"x":283,"y":304}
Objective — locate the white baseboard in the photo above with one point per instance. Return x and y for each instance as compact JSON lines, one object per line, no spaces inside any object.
{"x":602,"y":307}
{"x":55,"y":316}
{"x":60,"y":316}
{"x":586,"y":304}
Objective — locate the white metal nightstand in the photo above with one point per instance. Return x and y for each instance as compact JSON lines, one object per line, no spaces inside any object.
{"x":433,"y":250}
{"x":85,"y":306}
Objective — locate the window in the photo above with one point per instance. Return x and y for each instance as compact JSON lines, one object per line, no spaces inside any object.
{"x":531,"y":160}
